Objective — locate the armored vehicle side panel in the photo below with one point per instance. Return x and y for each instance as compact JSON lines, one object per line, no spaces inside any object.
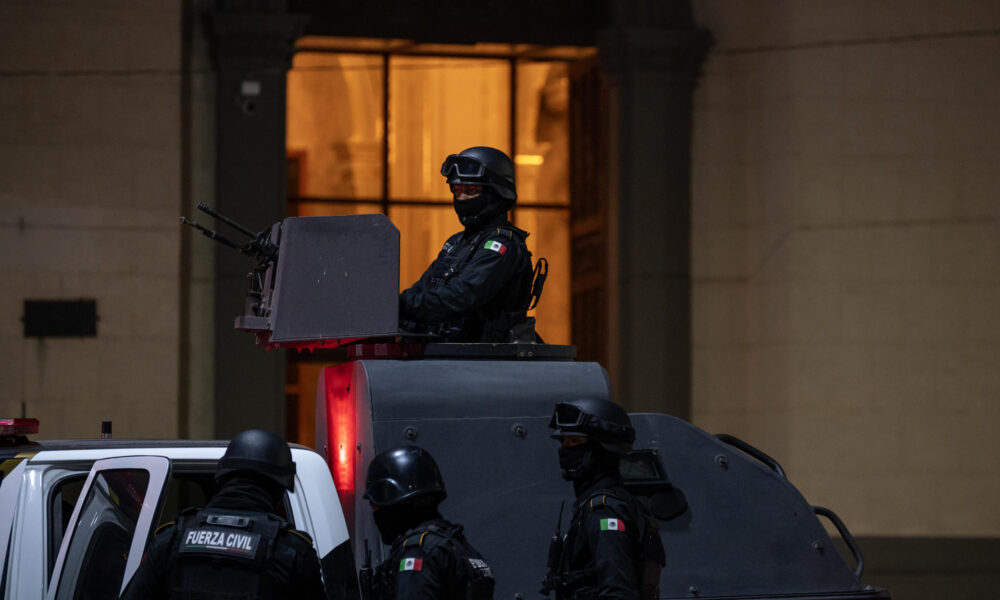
{"x":746,"y":532}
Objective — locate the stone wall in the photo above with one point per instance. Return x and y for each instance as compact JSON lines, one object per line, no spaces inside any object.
{"x":92,"y":179}
{"x":846,"y":245}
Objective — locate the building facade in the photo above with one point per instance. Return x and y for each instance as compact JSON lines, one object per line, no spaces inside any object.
{"x":780,"y":223}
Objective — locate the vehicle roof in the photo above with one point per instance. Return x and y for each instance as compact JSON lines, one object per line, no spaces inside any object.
{"x":114,"y":444}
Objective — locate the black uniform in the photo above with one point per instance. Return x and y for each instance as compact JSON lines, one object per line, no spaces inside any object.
{"x":433,"y":561}
{"x":603,"y":554}
{"x":233,"y":548}
{"x":476,"y":289}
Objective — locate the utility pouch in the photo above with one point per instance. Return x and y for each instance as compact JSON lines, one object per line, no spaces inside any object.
{"x":480,"y":578}
{"x":555,"y":551}
{"x":653,"y":558}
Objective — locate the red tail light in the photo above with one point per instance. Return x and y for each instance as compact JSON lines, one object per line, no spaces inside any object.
{"x":341,"y":424}
{"x":12,"y":427}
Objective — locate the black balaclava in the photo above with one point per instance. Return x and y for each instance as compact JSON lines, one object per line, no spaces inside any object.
{"x":394,"y":520}
{"x":479,"y":210}
{"x":585,"y":463}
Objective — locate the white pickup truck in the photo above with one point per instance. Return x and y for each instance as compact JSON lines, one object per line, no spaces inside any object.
{"x":75,"y":515}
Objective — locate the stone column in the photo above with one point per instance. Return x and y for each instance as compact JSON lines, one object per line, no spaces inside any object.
{"x":253,"y":44}
{"x":652,"y":57}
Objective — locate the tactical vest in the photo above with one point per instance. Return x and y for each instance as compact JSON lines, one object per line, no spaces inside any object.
{"x":471,"y":579}
{"x":495,"y":320}
{"x":647,"y":548}
{"x":229,"y":554}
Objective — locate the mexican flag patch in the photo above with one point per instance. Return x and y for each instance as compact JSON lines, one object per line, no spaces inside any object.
{"x":496,"y":247}
{"x":411,"y":564}
{"x":612,"y":525}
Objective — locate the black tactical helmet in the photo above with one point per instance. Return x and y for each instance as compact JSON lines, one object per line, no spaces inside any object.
{"x":261,"y":453}
{"x":402,"y":474}
{"x":600,"y":420}
{"x":481,"y":165}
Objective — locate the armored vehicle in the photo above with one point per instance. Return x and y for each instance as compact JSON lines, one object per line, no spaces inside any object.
{"x":731,"y":522}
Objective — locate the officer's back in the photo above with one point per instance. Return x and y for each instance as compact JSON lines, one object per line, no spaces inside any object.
{"x":236,"y":546}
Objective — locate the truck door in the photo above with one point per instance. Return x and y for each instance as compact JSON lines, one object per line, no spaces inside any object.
{"x":10,"y":487}
{"x":107,"y":533}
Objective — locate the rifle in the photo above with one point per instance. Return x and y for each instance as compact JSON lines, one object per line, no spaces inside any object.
{"x":365,"y":576}
{"x":551,"y":580}
{"x":259,"y":247}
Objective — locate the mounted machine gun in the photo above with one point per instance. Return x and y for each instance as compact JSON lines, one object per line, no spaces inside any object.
{"x":334,"y":280}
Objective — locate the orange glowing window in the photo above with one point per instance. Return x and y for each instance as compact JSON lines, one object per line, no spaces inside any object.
{"x":369,"y":124}
{"x":368,"y":129}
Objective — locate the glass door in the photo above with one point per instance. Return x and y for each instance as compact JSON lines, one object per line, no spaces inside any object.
{"x":110,"y":525}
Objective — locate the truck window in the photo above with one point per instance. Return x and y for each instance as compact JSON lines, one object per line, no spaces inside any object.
{"x":184,"y":489}
{"x":61,"y":502}
{"x":195,"y":488}
{"x":95,"y":560}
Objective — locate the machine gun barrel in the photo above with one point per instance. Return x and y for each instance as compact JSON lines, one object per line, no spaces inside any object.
{"x":209,"y":233}
{"x":209,"y":211}
{"x":259,"y":247}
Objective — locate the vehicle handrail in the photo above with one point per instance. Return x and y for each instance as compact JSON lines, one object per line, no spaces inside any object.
{"x":846,"y":535}
{"x":754,"y":452}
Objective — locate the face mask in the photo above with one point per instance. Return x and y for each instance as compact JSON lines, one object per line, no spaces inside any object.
{"x":390,"y":524}
{"x":480,"y":209}
{"x":470,"y":207}
{"x":574,"y":461}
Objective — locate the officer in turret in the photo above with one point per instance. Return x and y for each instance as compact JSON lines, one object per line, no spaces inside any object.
{"x":612,"y":548}
{"x":237,"y":546}
{"x":429,"y":556}
{"x":479,"y":287}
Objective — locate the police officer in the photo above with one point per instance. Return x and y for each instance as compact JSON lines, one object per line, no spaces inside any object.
{"x":479,"y":287}
{"x":429,"y":556}
{"x":612,"y":548}
{"x":237,"y":546}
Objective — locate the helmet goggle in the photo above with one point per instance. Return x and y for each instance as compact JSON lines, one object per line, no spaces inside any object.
{"x":458,"y":166}
{"x":567,"y":415}
{"x":568,"y":419}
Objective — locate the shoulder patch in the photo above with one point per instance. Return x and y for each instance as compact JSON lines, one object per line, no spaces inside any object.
{"x":495,"y":246}
{"x":612,"y":525}
{"x":411,"y":564}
